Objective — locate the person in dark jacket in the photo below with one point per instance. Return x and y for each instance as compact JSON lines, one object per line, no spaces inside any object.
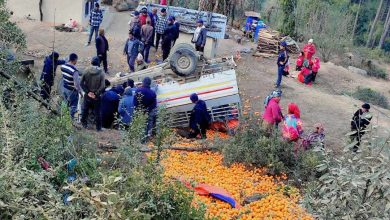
{"x":132,"y":47}
{"x":101,"y":49}
{"x":147,"y":32}
{"x":168,"y":37}
{"x":110,"y":103}
{"x":145,"y":100}
{"x":360,"y":120}
{"x":126,"y":106}
{"x":93,"y":84}
{"x":282,"y":61}
{"x":200,"y":36}
{"x":200,"y":118}
{"x":48,"y":74}
{"x":177,"y":30}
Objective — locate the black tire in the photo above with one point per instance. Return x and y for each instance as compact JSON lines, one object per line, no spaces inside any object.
{"x":182,"y":46}
{"x":183,"y":61}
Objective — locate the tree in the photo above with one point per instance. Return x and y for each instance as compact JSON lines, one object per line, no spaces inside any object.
{"x":356,"y":19}
{"x":385,"y":30}
{"x":288,"y":24}
{"x":369,"y":39}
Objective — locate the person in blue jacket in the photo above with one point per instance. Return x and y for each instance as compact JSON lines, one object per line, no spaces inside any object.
{"x":282,"y":62}
{"x":200,"y":118}
{"x":145,"y":100}
{"x":109,"y":105}
{"x":200,"y":36}
{"x":126,"y":107}
{"x":48,"y":73}
{"x":132,"y":47}
{"x":177,"y":30}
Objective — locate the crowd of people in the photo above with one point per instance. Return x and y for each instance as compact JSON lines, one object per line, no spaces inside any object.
{"x":146,"y":29}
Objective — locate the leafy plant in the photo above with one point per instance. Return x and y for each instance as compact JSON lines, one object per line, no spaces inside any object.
{"x":371,"y":96}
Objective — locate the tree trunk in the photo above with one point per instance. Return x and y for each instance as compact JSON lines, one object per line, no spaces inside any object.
{"x":233,"y":9}
{"x":202,"y":4}
{"x":385,"y":30}
{"x":356,"y":20}
{"x":40,"y":10}
{"x":378,"y":11}
{"x":216,"y":6}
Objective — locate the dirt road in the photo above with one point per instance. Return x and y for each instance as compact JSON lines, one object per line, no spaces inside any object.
{"x":323,"y":102}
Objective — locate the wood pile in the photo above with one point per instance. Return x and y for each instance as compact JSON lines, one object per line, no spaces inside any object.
{"x":269,"y":41}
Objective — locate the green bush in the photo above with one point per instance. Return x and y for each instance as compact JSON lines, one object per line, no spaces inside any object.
{"x":371,"y":96}
{"x":377,"y":72}
{"x":252,"y":146}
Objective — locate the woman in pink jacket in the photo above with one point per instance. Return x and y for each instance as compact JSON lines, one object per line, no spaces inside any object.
{"x":272,"y":115}
{"x":309,"y":49}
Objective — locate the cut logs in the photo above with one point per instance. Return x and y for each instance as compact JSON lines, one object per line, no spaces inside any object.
{"x":269,"y":41}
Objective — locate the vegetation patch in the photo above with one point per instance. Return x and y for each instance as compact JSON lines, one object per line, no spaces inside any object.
{"x":371,"y":96}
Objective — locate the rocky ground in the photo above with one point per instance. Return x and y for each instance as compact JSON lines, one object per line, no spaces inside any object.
{"x":323,"y":102}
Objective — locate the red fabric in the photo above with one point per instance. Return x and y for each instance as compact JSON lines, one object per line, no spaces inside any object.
{"x":292,"y":128}
{"x":294,"y":109}
{"x":272,"y":113}
{"x":143,"y":18}
{"x":316,"y":65}
{"x":309,"y":50}
{"x":300,"y":61}
{"x":163,"y":2}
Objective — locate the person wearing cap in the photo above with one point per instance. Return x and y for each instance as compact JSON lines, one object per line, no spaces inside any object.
{"x":272,"y":115}
{"x":309,"y":50}
{"x":147,"y":32}
{"x":95,"y":20}
{"x":132,"y":48}
{"x":200,"y":36}
{"x":177,"y":30}
{"x":48,"y":74}
{"x":360,"y":120}
{"x":144,"y":16}
{"x":200,"y":118}
{"x":135,"y":25}
{"x":101,"y":49}
{"x":145,"y":100}
{"x":140,"y":63}
{"x":168,"y":37}
{"x":162,"y":22}
{"x":93,"y":84}
{"x":281,"y":62}
{"x":71,"y":84}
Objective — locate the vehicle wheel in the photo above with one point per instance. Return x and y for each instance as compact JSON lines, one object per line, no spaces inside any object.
{"x":183,"y":61}
{"x":182,"y":46}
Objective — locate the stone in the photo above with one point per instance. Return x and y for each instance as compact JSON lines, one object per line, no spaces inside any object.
{"x":357,"y":70}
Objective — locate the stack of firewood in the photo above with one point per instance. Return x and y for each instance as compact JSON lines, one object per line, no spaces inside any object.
{"x":268,"y":43}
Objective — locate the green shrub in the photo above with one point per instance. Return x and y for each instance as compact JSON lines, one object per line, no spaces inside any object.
{"x":371,"y":96}
{"x":377,"y":72}
{"x":251,"y":146}
{"x":356,"y":186}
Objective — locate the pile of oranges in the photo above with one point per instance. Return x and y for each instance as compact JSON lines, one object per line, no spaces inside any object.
{"x":211,"y":136}
{"x":239,"y":181}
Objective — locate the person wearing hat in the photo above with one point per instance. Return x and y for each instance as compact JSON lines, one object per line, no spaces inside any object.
{"x":132,"y":48}
{"x":101,"y":49}
{"x":140,"y":63}
{"x":145,"y":100}
{"x":48,"y":73}
{"x":200,"y":118}
{"x":144,"y":16}
{"x":282,"y":62}
{"x":200,"y":36}
{"x":71,"y":84}
{"x":360,"y":120}
{"x":93,"y":83}
{"x":309,"y":50}
{"x":95,"y":20}
{"x":162,"y":22}
{"x":135,"y":25}
{"x":272,"y":115}
{"x":168,"y":38}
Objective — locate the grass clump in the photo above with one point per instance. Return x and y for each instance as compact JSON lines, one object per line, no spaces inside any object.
{"x":371,"y":96}
{"x":377,"y":72}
